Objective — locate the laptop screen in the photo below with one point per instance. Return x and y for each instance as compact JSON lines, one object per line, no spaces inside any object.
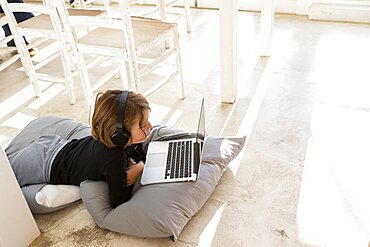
{"x":201,"y":131}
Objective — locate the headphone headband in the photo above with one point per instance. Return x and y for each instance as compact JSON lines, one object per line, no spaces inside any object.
{"x":121,"y":136}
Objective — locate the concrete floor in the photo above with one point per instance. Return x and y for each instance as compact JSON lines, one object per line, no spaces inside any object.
{"x":302,"y":179}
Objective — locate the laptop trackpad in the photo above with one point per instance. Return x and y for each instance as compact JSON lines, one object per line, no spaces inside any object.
{"x":156,"y":159}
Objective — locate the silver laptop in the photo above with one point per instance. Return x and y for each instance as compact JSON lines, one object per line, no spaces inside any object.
{"x":175,"y":160}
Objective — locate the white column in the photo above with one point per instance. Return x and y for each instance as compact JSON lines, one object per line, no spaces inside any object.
{"x":228,"y":49}
{"x":17,"y":225}
{"x":267,"y":24}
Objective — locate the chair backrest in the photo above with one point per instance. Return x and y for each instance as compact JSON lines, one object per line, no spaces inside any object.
{"x":84,"y":3}
{"x":81,"y":20}
{"x":9,"y":9}
{"x":24,"y":7}
{"x":70,"y":24}
{"x":42,"y":28}
{"x":106,"y":3}
{"x":122,"y":23}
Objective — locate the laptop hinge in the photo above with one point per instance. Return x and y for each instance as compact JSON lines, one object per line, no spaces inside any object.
{"x":196,"y":157}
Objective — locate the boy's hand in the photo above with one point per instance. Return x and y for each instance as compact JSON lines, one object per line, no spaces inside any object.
{"x":134,"y":171}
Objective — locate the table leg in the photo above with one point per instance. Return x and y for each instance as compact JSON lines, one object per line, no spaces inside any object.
{"x":267,"y":23}
{"x":228,"y":49}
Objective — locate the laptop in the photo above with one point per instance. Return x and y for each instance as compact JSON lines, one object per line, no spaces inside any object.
{"x":175,"y":160}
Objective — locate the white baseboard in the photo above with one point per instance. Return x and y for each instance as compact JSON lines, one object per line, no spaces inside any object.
{"x":280,"y":6}
{"x":349,"y":11}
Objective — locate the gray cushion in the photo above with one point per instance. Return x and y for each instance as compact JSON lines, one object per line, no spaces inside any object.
{"x":162,"y":210}
{"x":66,"y":128}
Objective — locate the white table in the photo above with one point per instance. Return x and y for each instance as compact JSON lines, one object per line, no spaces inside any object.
{"x":228,"y":43}
{"x":17,"y":225}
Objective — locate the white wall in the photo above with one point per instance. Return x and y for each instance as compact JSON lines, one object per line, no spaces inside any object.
{"x":352,"y":11}
{"x":333,"y":10}
{"x":281,"y":6}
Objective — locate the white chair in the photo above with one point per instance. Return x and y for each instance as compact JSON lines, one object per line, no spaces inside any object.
{"x":42,"y":28}
{"x":163,"y":7}
{"x":84,"y":3}
{"x":17,"y":225}
{"x":8,"y":55}
{"x":125,"y":40}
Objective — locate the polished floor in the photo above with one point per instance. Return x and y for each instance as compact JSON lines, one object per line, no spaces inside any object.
{"x":302,"y":179}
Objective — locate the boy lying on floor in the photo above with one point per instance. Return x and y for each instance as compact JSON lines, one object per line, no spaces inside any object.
{"x":113,"y":153}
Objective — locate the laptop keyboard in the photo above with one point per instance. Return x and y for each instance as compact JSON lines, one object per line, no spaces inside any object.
{"x":179,"y":160}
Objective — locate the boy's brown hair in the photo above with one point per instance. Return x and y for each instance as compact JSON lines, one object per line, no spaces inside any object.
{"x":103,"y":123}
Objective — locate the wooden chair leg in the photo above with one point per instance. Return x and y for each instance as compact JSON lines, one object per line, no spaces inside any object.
{"x":136,"y":75}
{"x":68,"y":72}
{"x":188,"y":15}
{"x":27,"y":62}
{"x":81,"y":3}
{"x":85,"y":80}
{"x":133,"y":75}
{"x":124,"y":75}
{"x":161,"y":5}
{"x":133,"y":67}
{"x":69,"y":84}
{"x":107,"y":8}
{"x":180,"y":79}
{"x":162,"y":9}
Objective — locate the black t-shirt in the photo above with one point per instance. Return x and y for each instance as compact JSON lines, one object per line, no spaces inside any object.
{"x":89,"y":159}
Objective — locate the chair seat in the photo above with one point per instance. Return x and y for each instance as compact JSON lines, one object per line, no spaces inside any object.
{"x":43,"y":22}
{"x":86,"y":12}
{"x":39,"y":22}
{"x":145,"y":32}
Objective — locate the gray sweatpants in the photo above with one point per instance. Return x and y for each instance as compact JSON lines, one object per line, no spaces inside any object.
{"x":32,"y":164}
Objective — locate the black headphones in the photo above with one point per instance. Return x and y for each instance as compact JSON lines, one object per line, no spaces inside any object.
{"x":121,"y":136}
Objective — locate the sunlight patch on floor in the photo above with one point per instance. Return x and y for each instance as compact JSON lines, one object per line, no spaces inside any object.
{"x":250,"y":117}
{"x":208,"y":234}
{"x":18,"y":99}
{"x":46,"y":96}
{"x":174,"y":118}
{"x":158,"y":113}
{"x":18,"y":120}
{"x":46,"y":52}
{"x":334,"y":202}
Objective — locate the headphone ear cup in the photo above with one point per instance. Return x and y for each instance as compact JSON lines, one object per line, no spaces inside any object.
{"x":120,"y":138}
{"x":125,"y":137}
{"x":115,"y":138}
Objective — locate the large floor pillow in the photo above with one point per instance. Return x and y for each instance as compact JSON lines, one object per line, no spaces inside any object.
{"x":44,"y":198}
{"x":162,"y":210}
